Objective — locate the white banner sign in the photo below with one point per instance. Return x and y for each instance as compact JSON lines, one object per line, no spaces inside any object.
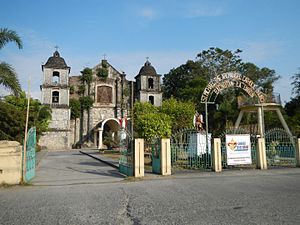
{"x":238,"y":148}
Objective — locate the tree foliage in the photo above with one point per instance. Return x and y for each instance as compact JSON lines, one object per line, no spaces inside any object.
{"x":296,"y":83}
{"x":149,"y":122}
{"x":188,"y":81}
{"x":86,"y":102}
{"x":173,"y":115}
{"x":103,"y":71}
{"x":181,"y":113}
{"x":13,"y":117}
{"x":216,"y":61}
{"x":75,"y":108}
{"x":292,"y":108}
{"x":7,"y":36}
{"x":8,"y":76}
{"x":152,"y":125}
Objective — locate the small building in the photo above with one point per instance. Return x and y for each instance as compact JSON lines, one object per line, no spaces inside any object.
{"x":112,"y":97}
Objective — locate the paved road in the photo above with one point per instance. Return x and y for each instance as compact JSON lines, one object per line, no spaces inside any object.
{"x":72,"y":167}
{"x":84,"y":193}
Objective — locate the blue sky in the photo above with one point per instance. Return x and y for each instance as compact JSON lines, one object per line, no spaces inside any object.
{"x":168,"y":32}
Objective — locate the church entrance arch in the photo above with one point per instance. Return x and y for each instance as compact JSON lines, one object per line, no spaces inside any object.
{"x":108,"y":133}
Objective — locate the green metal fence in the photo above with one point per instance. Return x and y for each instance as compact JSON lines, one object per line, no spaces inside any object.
{"x":280,"y":148}
{"x":156,"y":155}
{"x":189,"y":150}
{"x":126,"y":153}
{"x":30,"y":155}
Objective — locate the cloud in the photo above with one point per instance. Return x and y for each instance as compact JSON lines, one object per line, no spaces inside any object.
{"x":147,"y":13}
{"x":259,"y":52}
{"x":202,"y":9}
{"x":203,"y":12}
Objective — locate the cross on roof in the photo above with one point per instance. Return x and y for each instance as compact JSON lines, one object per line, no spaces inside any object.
{"x":147,"y":58}
{"x":56,"y":47}
{"x":104,"y":56}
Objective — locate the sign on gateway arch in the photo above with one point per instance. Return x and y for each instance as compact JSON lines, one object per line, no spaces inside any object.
{"x":228,"y":80}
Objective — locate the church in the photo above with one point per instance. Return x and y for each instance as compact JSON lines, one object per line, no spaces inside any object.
{"x":112,"y":97}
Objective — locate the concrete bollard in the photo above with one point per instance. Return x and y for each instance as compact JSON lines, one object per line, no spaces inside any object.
{"x":217,"y":156}
{"x":261,"y":154}
{"x":297,"y":152}
{"x":139,"y":169}
{"x":165,"y":157}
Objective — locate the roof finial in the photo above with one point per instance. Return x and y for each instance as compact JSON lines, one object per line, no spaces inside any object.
{"x":147,"y":63}
{"x":56,"y":47}
{"x":104,"y":56}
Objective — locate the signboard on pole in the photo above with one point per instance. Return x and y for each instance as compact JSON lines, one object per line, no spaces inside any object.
{"x":238,"y":148}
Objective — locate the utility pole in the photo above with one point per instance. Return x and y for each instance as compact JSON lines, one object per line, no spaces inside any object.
{"x":132,"y":94}
{"x":206,"y":123}
{"x":26,"y":128}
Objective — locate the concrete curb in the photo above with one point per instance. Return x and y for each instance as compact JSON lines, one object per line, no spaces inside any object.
{"x":101,"y":160}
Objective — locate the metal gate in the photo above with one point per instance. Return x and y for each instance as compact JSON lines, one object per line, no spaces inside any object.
{"x":280,"y":148}
{"x":253,"y":141}
{"x":156,"y":155}
{"x":126,"y":153}
{"x":30,"y":155}
{"x":189,"y":150}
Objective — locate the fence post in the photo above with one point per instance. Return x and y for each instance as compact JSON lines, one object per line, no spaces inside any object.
{"x":138,"y":158}
{"x":261,"y":154}
{"x":217,"y":156}
{"x":297,"y":152}
{"x":165,"y":156}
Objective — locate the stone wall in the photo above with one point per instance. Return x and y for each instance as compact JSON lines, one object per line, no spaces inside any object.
{"x":60,"y":119}
{"x":55,"y":140}
{"x":10,"y":162}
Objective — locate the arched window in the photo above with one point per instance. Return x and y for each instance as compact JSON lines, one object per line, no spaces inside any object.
{"x":151,"y":99}
{"x":55,"y":77}
{"x":55,"y":97}
{"x":150,"y":83}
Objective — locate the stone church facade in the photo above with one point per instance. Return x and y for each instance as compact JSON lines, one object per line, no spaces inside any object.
{"x":112,"y":97}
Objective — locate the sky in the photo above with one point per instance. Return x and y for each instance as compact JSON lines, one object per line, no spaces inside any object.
{"x":169,"y":32}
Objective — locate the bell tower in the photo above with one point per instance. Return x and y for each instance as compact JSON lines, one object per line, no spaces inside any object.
{"x":55,"y":94}
{"x":148,"y":87}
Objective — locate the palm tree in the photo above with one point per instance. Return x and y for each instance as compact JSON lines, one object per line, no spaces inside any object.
{"x":8,"y":76}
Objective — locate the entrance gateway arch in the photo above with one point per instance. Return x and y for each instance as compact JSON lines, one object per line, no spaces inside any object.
{"x":109,"y":124}
{"x":260,"y":101}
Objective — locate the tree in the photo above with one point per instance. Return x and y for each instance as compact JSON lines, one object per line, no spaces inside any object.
{"x":181,"y":113}
{"x":179,"y":78}
{"x":8,"y":76}
{"x":13,"y":115}
{"x":149,"y":122}
{"x":263,"y":78}
{"x":87,"y":78}
{"x":152,"y":125}
{"x":296,"y":83}
{"x":103,"y":71}
{"x":292,"y":108}
{"x":188,"y":81}
{"x":86,"y":101}
{"x":75,"y":113}
{"x":217,"y":61}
